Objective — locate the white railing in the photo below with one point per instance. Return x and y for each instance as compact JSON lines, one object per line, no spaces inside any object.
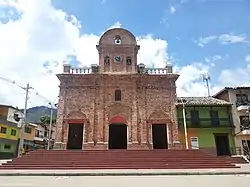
{"x":89,"y":70}
{"x":80,"y":70}
{"x":156,"y":71}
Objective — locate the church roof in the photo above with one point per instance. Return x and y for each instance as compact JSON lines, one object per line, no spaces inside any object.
{"x":202,"y":101}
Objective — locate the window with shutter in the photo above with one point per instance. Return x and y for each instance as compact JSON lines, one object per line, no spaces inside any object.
{"x":194,"y":118}
{"x":214,"y":116}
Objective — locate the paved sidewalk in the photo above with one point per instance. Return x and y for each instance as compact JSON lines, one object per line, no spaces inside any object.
{"x":245,"y":169}
{"x":125,"y":181}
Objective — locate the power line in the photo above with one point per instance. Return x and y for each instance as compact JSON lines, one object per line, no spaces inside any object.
{"x":13,"y":82}
{"x":24,"y":88}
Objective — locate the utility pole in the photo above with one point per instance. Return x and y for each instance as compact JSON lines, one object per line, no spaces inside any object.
{"x":27,"y":88}
{"x":184,"y":122}
{"x":50,"y":125}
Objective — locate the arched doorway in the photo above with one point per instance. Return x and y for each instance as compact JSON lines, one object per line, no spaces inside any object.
{"x":118,"y":133}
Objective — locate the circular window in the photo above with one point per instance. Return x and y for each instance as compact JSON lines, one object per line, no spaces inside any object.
{"x":118,"y":41}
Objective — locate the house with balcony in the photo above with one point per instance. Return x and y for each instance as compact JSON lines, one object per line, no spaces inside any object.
{"x":9,"y":132}
{"x":240,"y":98}
{"x":42,"y":136}
{"x":209,"y":124}
{"x":29,"y":134}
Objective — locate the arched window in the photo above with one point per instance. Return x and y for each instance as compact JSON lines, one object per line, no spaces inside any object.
{"x":129,"y":61}
{"x":118,"y":95}
{"x":106,"y":60}
{"x":118,"y":40}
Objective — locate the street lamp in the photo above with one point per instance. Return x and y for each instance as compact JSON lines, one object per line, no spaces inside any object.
{"x":184,"y":122}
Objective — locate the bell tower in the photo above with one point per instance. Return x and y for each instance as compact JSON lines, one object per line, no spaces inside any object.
{"x":118,"y":51}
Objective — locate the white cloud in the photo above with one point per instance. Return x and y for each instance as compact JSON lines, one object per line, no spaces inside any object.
{"x":44,"y":34}
{"x":213,"y":58}
{"x":172,"y":9}
{"x":184,"y":1}
{"x":222,"y":39}
{"x":103,"y":1}
{"x":230,"y":77}
{"x":116,"y":25}
{"x":205,"y":40}
{"x":231,"y":38}
{"x":247,"y":59}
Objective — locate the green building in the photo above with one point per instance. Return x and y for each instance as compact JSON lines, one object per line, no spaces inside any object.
{"x":209,"y":124}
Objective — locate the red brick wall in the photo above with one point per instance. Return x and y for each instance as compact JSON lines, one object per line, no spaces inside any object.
{"x":146,"y":99}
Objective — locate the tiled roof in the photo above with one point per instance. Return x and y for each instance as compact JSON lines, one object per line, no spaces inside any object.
{"x":231,"y":88}
{"x":192,"y":101}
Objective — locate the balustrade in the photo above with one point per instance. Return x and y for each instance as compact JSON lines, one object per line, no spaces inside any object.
{"x":89,"y":70}
{"x":156,"y":71}
{"x":80,"y":70}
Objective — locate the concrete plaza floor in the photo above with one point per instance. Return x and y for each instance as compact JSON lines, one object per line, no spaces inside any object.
{"x":245,"y":169}
{"x":125,"y":181}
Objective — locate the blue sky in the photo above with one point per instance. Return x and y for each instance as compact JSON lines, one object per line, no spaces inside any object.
{"x":188,"y":21}
{"x":37,"y":36}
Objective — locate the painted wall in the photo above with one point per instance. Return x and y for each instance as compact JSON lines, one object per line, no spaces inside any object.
{"x":3,"y":112}
{"x":206,"y":136}
{"x":204,"y":115}
{"x":12,"y":149}
{"x":205,"y":131}
{"x":30,"y":136}
{"x":191,"y":132}
{"x":10,"y":115}
{"x":236,"y":115}
{"x":8,"y":133}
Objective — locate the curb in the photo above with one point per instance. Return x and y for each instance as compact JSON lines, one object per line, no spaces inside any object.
{"x":125,"y":174}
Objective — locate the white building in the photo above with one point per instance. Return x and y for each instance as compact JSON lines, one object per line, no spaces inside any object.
{"x":240,"y":97}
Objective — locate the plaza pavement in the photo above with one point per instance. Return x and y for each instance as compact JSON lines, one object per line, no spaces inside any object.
{"x":245,"y":169}
{"x":125,"y":181}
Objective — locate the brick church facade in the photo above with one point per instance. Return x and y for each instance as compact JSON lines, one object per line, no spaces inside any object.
{"x":118,"y":103}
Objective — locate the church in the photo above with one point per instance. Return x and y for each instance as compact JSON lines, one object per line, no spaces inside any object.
{"x":118,"y":103}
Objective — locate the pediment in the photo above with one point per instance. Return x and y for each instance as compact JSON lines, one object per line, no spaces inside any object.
{"x":76,"y":115}
{"x":159,"y":114}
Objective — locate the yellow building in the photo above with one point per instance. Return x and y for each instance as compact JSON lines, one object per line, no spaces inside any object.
{"x":29,"y":135}
{"x":9,"y":132}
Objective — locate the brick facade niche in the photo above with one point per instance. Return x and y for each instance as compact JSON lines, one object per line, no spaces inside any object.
{"x":89,"y":99}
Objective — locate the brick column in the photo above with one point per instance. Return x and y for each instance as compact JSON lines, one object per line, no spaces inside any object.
{"x":134,"y":128}
{"x":91,"y":131}
{"x":59,"y":121}
{"x":134,"y":119}
{"x":106,"y":130}
{"x":149,"y":133}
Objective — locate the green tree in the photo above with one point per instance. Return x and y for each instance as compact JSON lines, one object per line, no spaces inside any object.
{"x":46,"y":120}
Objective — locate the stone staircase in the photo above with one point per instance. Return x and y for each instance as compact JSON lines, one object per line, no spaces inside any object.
{"x":117,"y":159}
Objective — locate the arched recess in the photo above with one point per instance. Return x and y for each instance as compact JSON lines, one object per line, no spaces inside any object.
{"x":75,"y":117}
{"x":118,"y":109}
{"x":75,"y":123}
{"x":159,"y":129}
{"x":118,"y":133}
{"x":117,"y":120}
{"x":159,"y":115}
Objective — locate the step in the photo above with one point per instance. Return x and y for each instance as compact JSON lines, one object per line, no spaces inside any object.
{"x":118,"y":167}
